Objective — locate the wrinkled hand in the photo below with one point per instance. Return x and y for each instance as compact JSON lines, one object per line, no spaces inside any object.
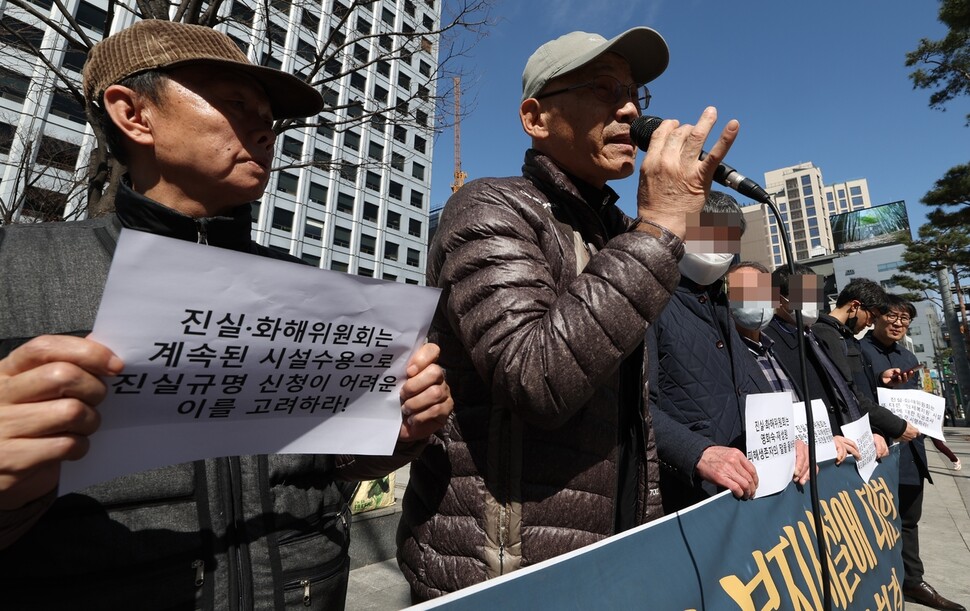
{"x":801,"y":473}
{"x":673,"y":182}
{"x":729,"y":468}
{"x":49,"y":389}
{"x":844,"y":447}
{"x":425,"y":397}
{"x":882,"y":450}
{"x":910,"y":433}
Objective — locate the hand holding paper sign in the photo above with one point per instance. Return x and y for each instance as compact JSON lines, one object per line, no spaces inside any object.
{"x":49,"y":388}
{"x":426,"y":399}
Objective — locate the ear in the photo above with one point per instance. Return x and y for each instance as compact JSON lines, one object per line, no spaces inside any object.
{"x":131,"y":114}
{"x":533,"y":119}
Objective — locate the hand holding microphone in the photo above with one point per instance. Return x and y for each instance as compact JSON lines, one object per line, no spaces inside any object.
{"x":676,"y":173}
{"x":642,"y":129}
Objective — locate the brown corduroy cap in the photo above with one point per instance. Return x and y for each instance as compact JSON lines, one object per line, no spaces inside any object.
{"x":156,"y":44}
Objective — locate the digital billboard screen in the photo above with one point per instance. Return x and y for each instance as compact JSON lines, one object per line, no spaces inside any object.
{"x":868,"y":227}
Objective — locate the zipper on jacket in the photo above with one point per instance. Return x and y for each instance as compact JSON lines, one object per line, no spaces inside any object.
{"x":199,"y":566}
{"x":240,"y":573}
{"x":306,"y":591}
{"x":203,"y":231}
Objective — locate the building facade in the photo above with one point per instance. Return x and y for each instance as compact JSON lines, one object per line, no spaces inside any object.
{"x":352,"y":187}
{"x":805,"y":204}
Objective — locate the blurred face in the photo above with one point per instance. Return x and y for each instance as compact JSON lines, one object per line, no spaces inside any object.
{"x":213,"y":141}
{"x":713,"y":232}
{"x":891,"y":327}
{"x":750,"y":288}
{"x":588,"y":137}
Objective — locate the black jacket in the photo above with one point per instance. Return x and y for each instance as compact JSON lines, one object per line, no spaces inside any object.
{"x":697,"y":385}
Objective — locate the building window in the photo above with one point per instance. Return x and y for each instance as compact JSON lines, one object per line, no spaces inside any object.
{"x":396,"y":190}
{"x":65,"y":106}
{"x":318,"y":193}
{"x":57,"y":153}
{"x":368,"y":244}
{"x":404,"y":81}
{"x":373,"y":181}
{"x":352,"y":140}
{"x":358,"y":81}
{"x":417,"y":170}
{"x":370,"y":212}
{"x":345,"y":203}
{"x":390,"y":251}
{"x":348,"y":171}
{"x":414,"y":258}
{"x":384,"y":69}
{"x":390,"y":277}
{"x":417,"y":198}
{"x":313,"y":260}
{"x":338,"y":266}
{"x":400,"y":134}
{"x":363,"y":271}
{"x":292,"y":147}
{"x":341,"y":236}
{"x":850,"y":272}
{"x":393,"y":220}
{"x":420,"y":144}
{"x":375,"y":151}
{"x":414,"y":228}
{"x":91,"y":17}
{"x":282,"y":219}
{"x":397,"y":161}
{"x":13,"y":86}
{"x":387,"y":16}
{"x":286,"y":183}
{"x":313,"y":230}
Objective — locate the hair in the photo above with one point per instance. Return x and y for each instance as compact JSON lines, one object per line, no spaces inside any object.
{"x":780,"y":277}
{"x":752,"y":264}
{"x":863,"y":290}
{"x":148,"y":84}
{"x":718,"y":202}
{"x":895,"y":302}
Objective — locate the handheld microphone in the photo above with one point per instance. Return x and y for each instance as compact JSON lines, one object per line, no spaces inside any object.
{"x":643,"y":127}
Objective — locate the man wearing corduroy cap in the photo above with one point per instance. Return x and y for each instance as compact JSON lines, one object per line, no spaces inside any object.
{"x":547,"y":291}
{"x":192,"y":120}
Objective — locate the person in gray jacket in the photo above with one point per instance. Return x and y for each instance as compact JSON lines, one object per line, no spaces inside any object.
{"x":547,"y":291}
{"x":192,"y":120}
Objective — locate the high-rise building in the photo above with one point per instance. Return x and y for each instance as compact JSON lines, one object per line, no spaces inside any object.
{"x":352,"y":190}
{"x":805,"y":203}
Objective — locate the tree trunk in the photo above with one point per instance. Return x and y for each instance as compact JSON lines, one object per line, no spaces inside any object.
{"x":961,"y":365}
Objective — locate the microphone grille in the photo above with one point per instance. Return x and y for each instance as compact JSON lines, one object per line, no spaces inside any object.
{"x":642,"y":128}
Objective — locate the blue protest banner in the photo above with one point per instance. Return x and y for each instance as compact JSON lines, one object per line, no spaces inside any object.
{"x":729,"y":554}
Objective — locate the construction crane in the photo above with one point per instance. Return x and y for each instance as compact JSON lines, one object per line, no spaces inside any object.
{"x":459,"y":175}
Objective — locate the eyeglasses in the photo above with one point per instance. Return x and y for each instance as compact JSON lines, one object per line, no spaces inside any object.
{"x":903,"y":319}
{"x":609,"y":90}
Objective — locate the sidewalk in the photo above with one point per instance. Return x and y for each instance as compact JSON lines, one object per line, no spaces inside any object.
{"x":944,"y":539}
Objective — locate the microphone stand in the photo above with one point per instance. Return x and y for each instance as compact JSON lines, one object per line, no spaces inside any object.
{"x":810,"y":420}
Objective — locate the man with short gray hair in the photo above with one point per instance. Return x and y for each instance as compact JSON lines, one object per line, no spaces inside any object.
{"x":547,"y":291}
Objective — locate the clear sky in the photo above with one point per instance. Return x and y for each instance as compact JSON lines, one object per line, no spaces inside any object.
{"x":845,"y":101}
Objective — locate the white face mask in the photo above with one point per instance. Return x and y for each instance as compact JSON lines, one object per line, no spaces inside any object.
{"x":752,"y":319}
{"x":809,"y":315}
{"x":705,"y":269}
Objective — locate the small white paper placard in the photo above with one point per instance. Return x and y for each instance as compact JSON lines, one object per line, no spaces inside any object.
{"x":770,"y":440}
{"x":922,"y":409}
{"x":861,"y":433}
{"x":824,"y":442}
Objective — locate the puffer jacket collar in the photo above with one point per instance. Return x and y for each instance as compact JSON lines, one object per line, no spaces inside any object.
{"x":135,"y":211}
{"x":588,"y":205}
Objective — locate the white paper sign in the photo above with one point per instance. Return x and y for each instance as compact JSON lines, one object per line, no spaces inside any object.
{"x":922,"y":409}
{"x":770,"y":440}
{"x":230,"y":354}
{"x":824,"y":442}
{"x":861,"y":433}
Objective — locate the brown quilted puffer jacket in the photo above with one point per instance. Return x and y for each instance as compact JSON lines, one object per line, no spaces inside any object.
{"x":526,"y":469}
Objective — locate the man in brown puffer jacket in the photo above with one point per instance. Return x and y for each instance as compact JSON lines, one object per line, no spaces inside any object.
{"x":548,"y":289}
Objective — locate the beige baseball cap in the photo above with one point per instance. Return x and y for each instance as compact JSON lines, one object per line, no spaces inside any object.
{"x":155,"y":44}
{"x":643,"y":48}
